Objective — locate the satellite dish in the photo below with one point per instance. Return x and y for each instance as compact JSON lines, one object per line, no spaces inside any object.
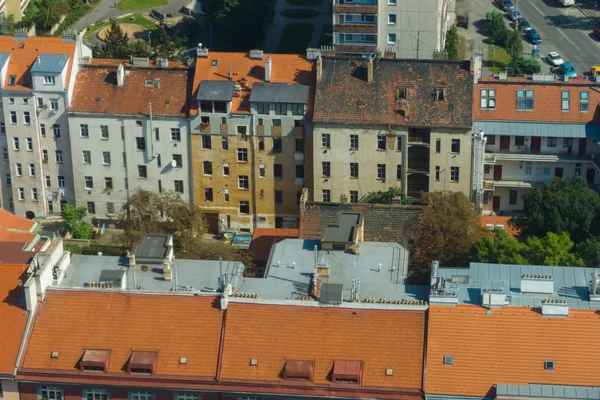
{"x":173,"y":163}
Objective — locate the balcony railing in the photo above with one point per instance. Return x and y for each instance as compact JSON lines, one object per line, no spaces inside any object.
{"x":419,"y":139}
{"x":355,"y":2}
{"x":414,"y":166}
{"x":205,"y":128}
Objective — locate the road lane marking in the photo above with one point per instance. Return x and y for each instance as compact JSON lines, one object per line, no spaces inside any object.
{"x":557,"y":28}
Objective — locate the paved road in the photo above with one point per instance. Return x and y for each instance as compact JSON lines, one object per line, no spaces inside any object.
{"x":566,"y":30}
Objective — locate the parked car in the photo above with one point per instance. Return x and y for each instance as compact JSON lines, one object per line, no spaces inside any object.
{"x":514,"y":14}
{"x":596,"y":33}
{"x":504,"y":5}
{"x":533,"y":36}
{"x":554,"y":58}
{"x":523,"y":24}
{"x":567,"y":69}
{"x":462,"y":21}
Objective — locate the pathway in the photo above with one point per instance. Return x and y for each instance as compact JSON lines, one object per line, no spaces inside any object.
{"x":273,"y":36}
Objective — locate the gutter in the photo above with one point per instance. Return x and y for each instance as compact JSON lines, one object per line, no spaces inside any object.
{"x":23,"y":340}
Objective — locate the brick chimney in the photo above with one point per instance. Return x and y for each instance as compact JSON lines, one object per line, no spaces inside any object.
{"x":120,"y":75}
{"x":370,"y":70}
{"x":268,"y":68}
{"x":319,"y":65}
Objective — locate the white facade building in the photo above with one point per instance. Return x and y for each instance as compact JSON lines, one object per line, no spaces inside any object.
{"x":129,"y":130}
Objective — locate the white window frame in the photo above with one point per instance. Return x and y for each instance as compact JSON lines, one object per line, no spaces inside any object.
{"x":326,"y":140}
{"x":13,"y":117}
{"x":326,"y":193}
{"x":390,"y":17}
{"x":175,"y":134}
{"x":19,"y":169}
{"x":565,"y":100}
{"x":141,"y":395}
{"x":61,"y":182}
{"x":110,"y":210}
{"x":243,"y":182}
{"x":54,"y":104}
{"x":50,"y":393}
{"x":16,"y":144}
{"x":26,"y":118}
{"x":31,"y":169}
{"x":103,"y":131}
{"x":87,"y":153}
{"x":85,"y":182}
{"x":84,"y":130}
{"x":390,"y":40}
{"x":49,"y":80}
{"x":34,"y":194}
{"x":58,"y":156}
{"x":187,"y":396}
{"x":175,"y":183}
{"x":29,"y":143}
{"x":453,"y":171}
{"x":106,"y":160}
{"x":487,"y":99}
{"x":21,"y":193}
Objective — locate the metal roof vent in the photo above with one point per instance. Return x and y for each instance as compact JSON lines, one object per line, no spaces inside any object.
{"x":449,"y":360}
{"x":183,"y":360}
{"x":54,"y":354}
{"x":389,"y":372}
{"x":594,"y":287}
{"x":555,"y":307}
{"x":549,"y":365}
{"x":254,"y":362}
{"x":531,"y":283}
{"x":493,"y":297}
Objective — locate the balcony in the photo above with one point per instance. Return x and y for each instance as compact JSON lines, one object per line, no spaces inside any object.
{"x":489,"y":184}
{"x":298,"y":156}
{"x":260,"y":129}
{"x":223,"y":128}
{"x":417,"y":183}
{"x":205,"y":128}
{"x":419,"y":137}
{"x":355,"y":28}
{"x":418,"y":160}
{"x":276,"y":130}
{"x":417,"y":167}
{"x":494,"y":157}
{"x":298,"y":131}
{"x":299,"y":181}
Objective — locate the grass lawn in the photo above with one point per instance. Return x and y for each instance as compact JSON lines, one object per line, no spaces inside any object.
{"x":462,"y":47}
{"x":502,"y":59}
{"x":296,"y":38}
{"x":305,"y":3}
{"x":299,"y":13}
{"x":140,"y":4}
{"x":137,"y":19}
{"x":326,"y":36}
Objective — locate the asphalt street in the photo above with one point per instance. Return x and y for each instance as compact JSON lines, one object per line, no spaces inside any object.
{"x":563,"y":29}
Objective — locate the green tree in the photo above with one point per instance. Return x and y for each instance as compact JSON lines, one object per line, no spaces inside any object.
{"x":386,"y":197}
{"x":553,"y":249}
{"x":561,"y":205}
{"x":448,"y":227}
{"x":116,"y":43}
{"x":148,"y":212}
{"x":496,"y":28}
{"x":7,"y":24}
{"x":49,"y":12}
{"x":140,"y":48}
{"x":525,"y":65}
{"x":499,"y":248}
{"x":452,"y":43}
{"x":73,"y":219}
{"x":514,"y":45}
{"x":589,"y":251}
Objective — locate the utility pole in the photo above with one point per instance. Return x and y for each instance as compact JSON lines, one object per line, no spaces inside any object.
{"x":418,"y":40}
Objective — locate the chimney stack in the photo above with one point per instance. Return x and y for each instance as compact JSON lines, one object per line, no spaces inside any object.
{"x":268,"y":69}
{"x":132,"y":260}
{"x":201,"y":52}
{"x":120,"y":75}
{"x":319,"y":68}
{"x":370,"y":70}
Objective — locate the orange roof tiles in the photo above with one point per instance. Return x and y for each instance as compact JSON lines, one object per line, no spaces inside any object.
{"x":500,"y":220}
{"x":11,"y":221}
{"x":96,"y":90}
{"x":286,"y":68}
{"x":7,"y":235}
{"x":546,"y":101}
{"x":174,"y":325}
{"x":508,"y":346}
{"x":273,"y":334}
{"x":21,"y":59}
{"x":12,"y":315}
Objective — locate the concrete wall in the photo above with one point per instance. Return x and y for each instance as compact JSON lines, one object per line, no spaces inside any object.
{"x":10,"y":389}
{"x":125,"y":158}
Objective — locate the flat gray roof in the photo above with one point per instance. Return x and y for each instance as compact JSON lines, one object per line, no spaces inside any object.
{"x":570,"y":284}
{"x":279,"y":93}
{"x":50,"y":63}
{"x":550,"y":391}
{"x":343,"y":230}
{"x":292,"y":264}
{"x":547,"y":129}
{"x":3,"y":59}
{"x":152,"y":246}
{"x":191,"y":275}
{"x":215,"y":90}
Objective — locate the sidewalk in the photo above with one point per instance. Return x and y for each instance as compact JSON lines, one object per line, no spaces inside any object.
{"x":587,"y":8}
{"x":106,"y":9}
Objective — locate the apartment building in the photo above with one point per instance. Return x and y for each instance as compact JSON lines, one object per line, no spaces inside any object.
{"x":38,"y":78}
{"x":129,"y":129}
{"x":249,"y":124}
{"x":14,"y":8}
{"x":533,"y":129}
{"x":389,"y":123}
{"x":403,"y":28}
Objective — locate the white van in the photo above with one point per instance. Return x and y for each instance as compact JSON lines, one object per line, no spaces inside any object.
{"x":566,"y":3}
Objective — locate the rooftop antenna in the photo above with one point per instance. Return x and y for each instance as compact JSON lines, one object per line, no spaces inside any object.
{"x":176,"y":281}
{"x":221,"y":271}
{"x":379,"y":268}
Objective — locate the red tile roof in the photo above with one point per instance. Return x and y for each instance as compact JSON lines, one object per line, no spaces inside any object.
{"x":263,"y":239}
{"x":9,"y":235}
{"x":508,"y":346}
{"x":174,"y":325}
{"x":273,"y":334}
{"x":286,"y":68}
{"x":96,"y":90}
{"x":546,"y":101}
{"x":12,"y":315}
{"x":21,"y":59}
{"x":12,"y":253}
{"x":9,"y":220}
{"x":499,"y":220}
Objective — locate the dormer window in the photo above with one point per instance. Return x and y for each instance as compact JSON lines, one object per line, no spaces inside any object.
{"x":49,"y":80}
{"x":95,"y":361}
{"x":214,"y":63}
{"x":401,"y":93}
{"x":440,"y":94}
{"x":142,"y":362}
{"x":298,"y":370}
{"x":347,"y":372}
{"x":12,"y":80}
{"x":149,"y":82}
